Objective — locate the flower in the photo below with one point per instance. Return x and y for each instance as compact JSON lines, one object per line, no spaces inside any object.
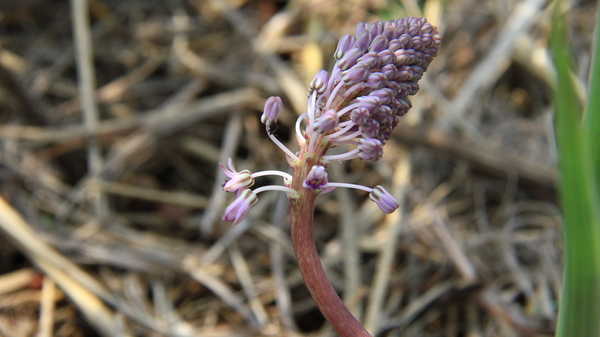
{"x":384,"y":199}
{"x":376,"y":71}
{"x":238,"y":180}
{"x":358,"y":103}
{"x":237,"y":211}
{"x":316,"y":179}
{"x":271,"y":112}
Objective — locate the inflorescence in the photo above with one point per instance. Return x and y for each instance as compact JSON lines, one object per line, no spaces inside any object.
{"x":359,"y":103}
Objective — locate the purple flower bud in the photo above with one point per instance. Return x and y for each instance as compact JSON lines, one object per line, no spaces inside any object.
{"x":384,"y":199}
{"x":403,"y":105}
{"x":370,"y":129}
{"x":383,"y":115}
{"x":371,"y":60}
{"x":359,"y":116}
{"x":379,"y":43}
{"x":386,"y":57}
{"x":271,"y":111}
{"x":316,"y":178}
{"x":349,"y":59}
{"x":394,"y":45}
{"x":363,"y":40}
{"x":376,"y":80}
{"x":404,"y":74}
{"x":427,"y":28}
{"x":360,"y":27}
{"x":370,"y":103}
{"x":414,"y":88}
{"x":417,"y":73}
{"x":417,"y":43}
{"x":376,"y":28}
{"x":343,"y":46}
{"x":355,"y":74}
{"x":385,"y":95}
{"x":370,"y":150}
{"x":327,"y":122}
{"x":389,"y":30}
{"x":240,"y":206}
{"x":404,"y":41}
{"x":319,"y":82}
{"x":391,"y":72}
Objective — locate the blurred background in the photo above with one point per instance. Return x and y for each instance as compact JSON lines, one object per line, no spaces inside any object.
{"x":112,"y":201}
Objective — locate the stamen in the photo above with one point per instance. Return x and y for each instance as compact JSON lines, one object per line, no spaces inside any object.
{"x":345,"y":129}
{"x":344,"y":156}
{"x":299,"y":135}
{"x":346,"y":138}
{"x":272,"y":172}
{"x":274,"y":188}
{"x":354,"y":186}
{"x":283,"y":147}
{"x":333,"y":94}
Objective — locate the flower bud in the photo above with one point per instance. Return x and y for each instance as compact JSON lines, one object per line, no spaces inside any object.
{"x":363,"y":40}
{"x":346,"y":42}
{"x":378,"y":44}
{"x":386,"y":57}
{"x":319,"y":82}
{"x":371,"y":103}
{"x":349,"y":59}
{"x":355,"y":74}
{"x":371,"y":60}
{"x":327,"y":122}
{"x":370,"y":150}
{"x":359,"y":116}
{"x":316,"y":178}
{"x":237,"y":211}
{"x":376,"y":28}
{"x":384,"y":95}
{"x":376,"y":80}
{"x":384,"y":199}
{"x":271,"y":111}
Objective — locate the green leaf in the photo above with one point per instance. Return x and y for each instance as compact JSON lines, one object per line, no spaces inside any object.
{"x":591,"y":119}
{"x":580,"y":298}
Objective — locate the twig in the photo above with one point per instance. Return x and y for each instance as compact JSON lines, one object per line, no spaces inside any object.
{"x":231,"y":139}
{"x":350,"y":233}
{"x":479,"y":154}
{"x":15,"y":280}
{"x":488,"y":70}
{"x":87,"y":87}
{"x":47,"y":308}
{"x":393,"y":223}
{"x":179,"y":198}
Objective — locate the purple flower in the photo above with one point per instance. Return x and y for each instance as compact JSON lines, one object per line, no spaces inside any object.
{"x":384,"y":199}
{"x":271,"y":111}
{"x":377,"y":73}
{"x":327,"y":122}
{"x":316,"y":179}
{"x":238,"y":180}
{"x":240,"y":207}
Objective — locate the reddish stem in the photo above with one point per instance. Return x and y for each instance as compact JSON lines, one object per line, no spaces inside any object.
{"x":321,"y":290}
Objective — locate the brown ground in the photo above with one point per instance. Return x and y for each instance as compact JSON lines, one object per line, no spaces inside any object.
{"x":132,"y":244}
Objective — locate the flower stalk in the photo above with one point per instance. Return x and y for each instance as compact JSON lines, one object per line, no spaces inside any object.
{"x":358,"y":104}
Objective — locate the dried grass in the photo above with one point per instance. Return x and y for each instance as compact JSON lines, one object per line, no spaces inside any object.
{"x":132,"y":244}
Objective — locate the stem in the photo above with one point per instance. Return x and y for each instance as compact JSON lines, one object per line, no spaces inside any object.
{"x":321,"y":290}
